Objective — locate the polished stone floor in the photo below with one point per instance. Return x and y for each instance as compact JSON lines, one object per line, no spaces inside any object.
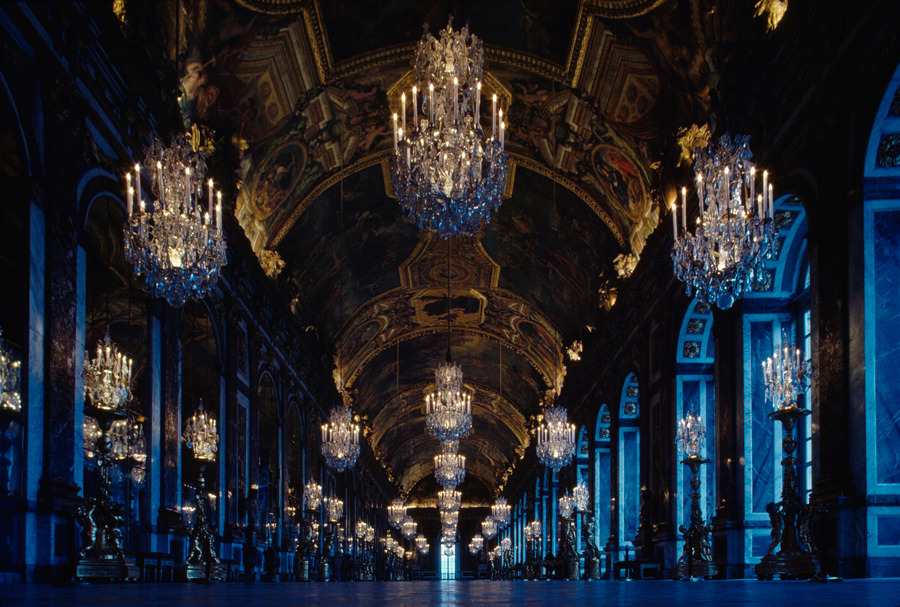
{"x":855,"y":593}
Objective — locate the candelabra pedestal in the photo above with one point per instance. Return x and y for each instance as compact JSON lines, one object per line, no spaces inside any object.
{"x":101,"y":557}
{"x":325,"y":567}
{"x":796,"y":557}
{"x":695,"y":560}
{"x":203,"y":564}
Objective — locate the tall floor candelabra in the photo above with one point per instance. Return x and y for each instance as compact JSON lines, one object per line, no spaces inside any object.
{"x":202,"y":438}
{"x":786,"y":376}
{"x":695,"y":558}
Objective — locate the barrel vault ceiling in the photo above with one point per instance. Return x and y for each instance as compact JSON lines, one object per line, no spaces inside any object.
{"x":595,"y":90}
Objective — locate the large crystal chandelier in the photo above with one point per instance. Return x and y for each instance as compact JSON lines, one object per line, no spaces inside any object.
{"x":449,"y":174}
{"x":422,"y":545}
{"x":449,"y":518}
{"x":177,"y":245}
{"x":448,"y":410}
{"x":396,"y":513}
{"x":10,"y":378}
{"x":201,"y":435}
{"x":126,"y":444}
{"x":489,"y":527}
{"x":786,"y":375}
{"x":340,"y":439}
{"x":408,"y":528}
{"x":690,"y":435}
{"x":449,"y":465}
{"x":449,"y":500}
{"x":334,"y":508}
{"x":555,"y":439}
{"x":476,"y":544}
{"x":107,"y":378}
{"x":735,"y":233}
{"x":312,"y":496}
{"x":500,"y":510}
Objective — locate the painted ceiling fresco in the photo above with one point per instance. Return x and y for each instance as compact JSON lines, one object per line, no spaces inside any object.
{"x":299,"y":93}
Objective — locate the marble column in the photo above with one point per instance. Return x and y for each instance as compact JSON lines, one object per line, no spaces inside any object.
{"x":170,"y":439}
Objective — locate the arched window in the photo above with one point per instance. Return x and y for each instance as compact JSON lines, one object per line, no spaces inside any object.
{"x":775,"y":314}
{"x":629,"y":461}
{"x":695,"y":393}
{"x":877,"y":457}
{"x":602,"y":481}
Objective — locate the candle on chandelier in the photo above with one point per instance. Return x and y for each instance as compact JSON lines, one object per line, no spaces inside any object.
{"x":771,"y":203}
{"x":403,"y":109}
{"x":684,"y":209}
{"x":765,"y":191}
{"x":159,"y":180}
{"x":395,"y":132}
{"x":456,"y":98}
{"x":700,"y":194}
{"x":187,"y":190}
{"x":674,"y":215}
{"x":494,"y":116}
{"x":502,"y":136}
{"x":219,"y":211}
{"x":752,"y":198}
{"x":430,"y":103}
{"x":130,"y":193}
{"x":137,"y":183}
{"x":209,"y":207}
{"x":415,"y":109}
{"x":477,"y":103}
{"x":759,"y":205}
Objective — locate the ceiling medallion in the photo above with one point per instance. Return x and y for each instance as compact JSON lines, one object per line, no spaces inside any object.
{"x":340,"y":439}
{"x":735,"y":233}
{"x":449,"y":465}
{"x":177,"y":245}
{"x":449,"y":174}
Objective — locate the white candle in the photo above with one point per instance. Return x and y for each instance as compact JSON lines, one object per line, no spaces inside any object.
{"x":477,"y":103}
{"x":684,"y":209}
{"x":219,"y":211}
{"x":430,"y":103}
{"x":765,"y":190}
{"x":674,"y":214}
{"x":137,"y":180}
{"x":502,"y":135}
{"x":759,"y":205}
{"x":130,"y":193}
{"x":494,"y":117}
{"x":752,"y":198}
{"x":403,"y":109}
{"x":415,"y":108}
{"x":209,"y":207}
{"x":700,"y":199}
{"x":159,"y":181}
{"x":456,"y":98}
{"x":395,"y":132}
{"x":187,"y":189}
{"x":771,"y":202}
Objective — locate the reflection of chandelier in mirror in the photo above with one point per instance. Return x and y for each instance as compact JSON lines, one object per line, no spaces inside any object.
{"x":312,"y":496}
{"x":449,"y":465}
{"x":555,"y":439}
{"x":10,"y":378}
{"x":408,"y":528}
{"x":422,"y":545}
{"x":176,"y":245}
{"x":201,"y":435}
{"x":107,"y":378}
{"x":489,"y":527}
{"x":340,"y":439}
{"x":449,"y":174}
{"x":476,"y":543}
{"x":580,"y":493}
{"x":735,"y":232}
{"x":566,"y":505}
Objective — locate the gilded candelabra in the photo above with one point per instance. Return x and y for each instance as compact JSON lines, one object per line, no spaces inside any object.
{"x":786,"y":376}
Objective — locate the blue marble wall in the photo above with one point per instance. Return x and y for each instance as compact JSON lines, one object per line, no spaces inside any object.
{"x":761,"y":430}
{"x":602,"y":498}
{"x":886,"y":326}
{"x":709,"y":478}
{"x":630,"y":485}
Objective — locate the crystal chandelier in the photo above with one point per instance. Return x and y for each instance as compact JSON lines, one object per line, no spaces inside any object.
{"x":735,"y":232}
{"x":449,"y":465}
{"x":690,"y":435}
{"x":449,"y":174}
{"x":555,"y":439}
{"x":340,"y":439}
{"x":177,"y":246}
{"x":786,"y":375}
{"x":500,"y":510}
{"x":408,"y":528}
{"x":506,"y":544}
{"x":201,"y":436}
{"x":566,"y":505}
{"x":361,"y":529}
{"x":396,"y":513}
{"x":312,"y":496}
{"x":580,"y":493}
{"x":422,"y":545}
{"x":107,"y":378}
{"x":10,"y":378}
{"x":449,"y":518}
{"x":476,"y":544}
{"x":448,"y":410}
{"x":370,"y":534}
{"x":449,"y":500}
{"x":489,"y":527}
{"x":126,"y":444}
{"x":334,"y":508}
